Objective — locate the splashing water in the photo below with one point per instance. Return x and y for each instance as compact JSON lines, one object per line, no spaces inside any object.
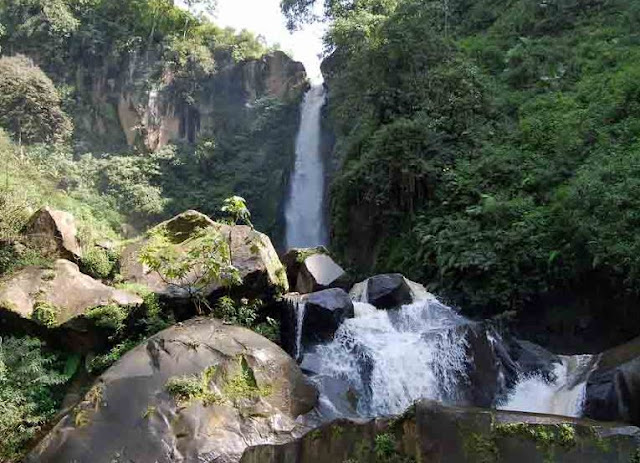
{"x":391,"y":358}
{"x":303,"y":211}
{"x":564,"y":395}
{"x":385,"y":360}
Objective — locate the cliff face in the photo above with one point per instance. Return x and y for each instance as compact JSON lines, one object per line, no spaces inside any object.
{"x":135,"y":104}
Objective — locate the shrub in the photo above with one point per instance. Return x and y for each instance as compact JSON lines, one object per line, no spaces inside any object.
{"x":30,"y":392}
{"x":45,"y":313}
{"x":110,"y":316}
{"x":99,"y":263}
{"x":101,"y":362}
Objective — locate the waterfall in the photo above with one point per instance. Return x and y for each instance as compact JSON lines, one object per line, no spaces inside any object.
{"x":382,"y":361}
{"x":300,"y":309}
{"x":391,"y":358}
{"x":563,"y":395}
{"x":304,"y":210}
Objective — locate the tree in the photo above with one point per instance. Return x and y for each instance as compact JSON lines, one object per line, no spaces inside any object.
{"x":30,"y":105}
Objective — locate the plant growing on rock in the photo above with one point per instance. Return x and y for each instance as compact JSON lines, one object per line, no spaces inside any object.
{"x":236,"y":208}
{"x":193,"y":266}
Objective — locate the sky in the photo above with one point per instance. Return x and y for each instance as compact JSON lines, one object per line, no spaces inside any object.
{"x":263,"y":17}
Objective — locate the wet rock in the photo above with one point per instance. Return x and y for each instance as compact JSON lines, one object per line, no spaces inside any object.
{"x":201,"y":391}
{"x":324,"y":313}
{"x":388,"y":291}
{"x":613,"y":389}
{"x":533,"y":359}
{"x":65,"y":290}
{"x":430,"y":432}
{"x":252,"y":253}
{"x":54,"y":234}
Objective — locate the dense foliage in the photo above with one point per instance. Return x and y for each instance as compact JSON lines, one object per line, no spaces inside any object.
{"x":489,"y":148}
{"x":30,"y":380}
{"x":106,"y":59}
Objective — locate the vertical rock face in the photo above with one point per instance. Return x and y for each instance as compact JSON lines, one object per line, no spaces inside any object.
{"x":135,"y":107}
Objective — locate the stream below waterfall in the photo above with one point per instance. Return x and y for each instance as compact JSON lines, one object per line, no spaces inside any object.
{"x":381,"y":361}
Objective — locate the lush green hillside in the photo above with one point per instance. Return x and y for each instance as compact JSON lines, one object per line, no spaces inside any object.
{"x":158,"y":106}
{"x":491,"y":149}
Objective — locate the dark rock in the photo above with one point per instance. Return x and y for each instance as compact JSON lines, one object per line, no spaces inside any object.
{"x":388,"y":291}
{"x":430,"y":432}
{"x":533,"y":359}
{"x":54,"y":234}
{"x":324,"y":313}
{"x":613,"y":389}
{"x":250,"y":393}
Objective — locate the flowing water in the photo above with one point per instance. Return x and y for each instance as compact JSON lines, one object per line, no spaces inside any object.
{"x":563,"y":395}
{"x":382,"y":361}
{"x":304,"y":212}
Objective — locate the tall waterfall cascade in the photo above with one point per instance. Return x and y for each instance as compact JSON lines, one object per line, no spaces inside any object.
{"x":381,"y":361}
{"x":304,"y":206}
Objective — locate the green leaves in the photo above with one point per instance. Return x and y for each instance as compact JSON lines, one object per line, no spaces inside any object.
{"x":236,"y":208}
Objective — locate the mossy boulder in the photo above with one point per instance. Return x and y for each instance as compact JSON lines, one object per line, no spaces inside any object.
{"x":58,"y":295}
{"x":430,"y":432}
{"x":251,"y":253}
{"x":199,"y":391}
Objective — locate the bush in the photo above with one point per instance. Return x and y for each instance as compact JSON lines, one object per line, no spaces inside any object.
{"x":46,"y":314}
{"x":98,"y":262}
{"x":111,"y":317}
{"x":30,"y":392}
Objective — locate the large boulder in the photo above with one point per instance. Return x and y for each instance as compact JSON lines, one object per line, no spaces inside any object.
{"x":62,"y":290}
{"x":384,"y":291}
{"x":320,"y":272}
{"x":312,"y":269}
{"x":430,"y":432}
{"x":201,"y":391}
{"x":324,"y":313}
{"x":613,"y":388}
{"x":54,"y":234}
{"x":252,"y":253}
{"x":294,"y":258}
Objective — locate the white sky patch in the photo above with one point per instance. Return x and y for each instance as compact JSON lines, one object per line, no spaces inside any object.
{"x":263,"y":17}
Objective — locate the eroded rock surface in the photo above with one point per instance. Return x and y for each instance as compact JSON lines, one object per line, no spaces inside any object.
{"x":248,"y":393}
{"x":432,"y":433}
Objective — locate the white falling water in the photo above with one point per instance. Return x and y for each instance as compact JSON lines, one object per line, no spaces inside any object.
{"x":304,"y":213}
{"x":388,"y":359}
{"x":564,"y":395}
{"x":300,"y":307}
{"x":391,"y":358}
